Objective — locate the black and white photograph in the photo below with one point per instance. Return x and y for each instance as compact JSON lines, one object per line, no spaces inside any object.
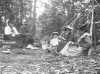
{"x":49,"y":36}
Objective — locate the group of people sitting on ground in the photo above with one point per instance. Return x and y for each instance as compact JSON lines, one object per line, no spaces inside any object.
{"x":64,"y":44}
{"x":11,"y":33}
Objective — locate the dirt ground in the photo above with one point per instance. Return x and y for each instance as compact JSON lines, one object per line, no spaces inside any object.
{"x":40,"y":62}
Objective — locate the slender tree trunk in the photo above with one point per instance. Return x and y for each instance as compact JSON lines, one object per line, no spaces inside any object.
{"x":34,"y":12}
{"x":92,"y":30}
{"x":21,"y":11}
{"x":34,"y":19}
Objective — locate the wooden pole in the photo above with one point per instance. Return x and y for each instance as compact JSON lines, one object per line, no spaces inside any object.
{"x":92,"y":28}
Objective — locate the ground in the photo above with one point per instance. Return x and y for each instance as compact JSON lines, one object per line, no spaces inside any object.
{"x":40,"y":62}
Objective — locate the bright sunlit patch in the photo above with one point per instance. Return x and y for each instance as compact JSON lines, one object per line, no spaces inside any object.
{"x":41,"y":6}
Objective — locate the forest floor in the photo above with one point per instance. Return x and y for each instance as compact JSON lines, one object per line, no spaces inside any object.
{"x":40,"y":62}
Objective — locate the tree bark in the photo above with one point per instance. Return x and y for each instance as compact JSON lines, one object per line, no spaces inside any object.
{"x":34,"y":19}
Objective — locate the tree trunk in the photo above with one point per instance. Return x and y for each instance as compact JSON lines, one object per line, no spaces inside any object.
{"x":33,"y":28}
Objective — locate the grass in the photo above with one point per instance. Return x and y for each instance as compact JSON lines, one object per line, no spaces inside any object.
{"x":38,"y":60}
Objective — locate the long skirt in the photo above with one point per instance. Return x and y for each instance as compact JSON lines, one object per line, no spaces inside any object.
{"x":21,"y":40}
{"x":71,"y":50}
{"x":24,"y":40}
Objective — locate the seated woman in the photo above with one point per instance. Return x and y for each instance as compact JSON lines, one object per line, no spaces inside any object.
{"x":54,"y":42}
{"x":71,"y":49}
{"x":85,"y":42}
{"x":9,"y":31}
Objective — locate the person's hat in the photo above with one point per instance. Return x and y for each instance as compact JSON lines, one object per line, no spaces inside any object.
{"x":55,"y":33}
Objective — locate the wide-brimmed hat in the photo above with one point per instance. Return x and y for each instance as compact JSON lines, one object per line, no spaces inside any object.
{"x":55,"y":33}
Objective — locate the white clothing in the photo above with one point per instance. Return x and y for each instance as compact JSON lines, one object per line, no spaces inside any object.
{"x":70,"y":50}
{"x":15,"y":32}
{"x":84,"y":35}
{"x":8,"y":30}
{"x":86,"y":1}
{"x":54,"y":41}
{"x":44,"y":46}
{"x":31,"y":47}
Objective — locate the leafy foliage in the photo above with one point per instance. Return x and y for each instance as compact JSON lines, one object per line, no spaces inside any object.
{"x":55,"y":16}
{"x":17,"y":10}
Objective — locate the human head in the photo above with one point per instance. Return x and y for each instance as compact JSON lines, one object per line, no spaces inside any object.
{"x":55,"y":34}
{"x":87,"y":36}
{"x":10,"y":23}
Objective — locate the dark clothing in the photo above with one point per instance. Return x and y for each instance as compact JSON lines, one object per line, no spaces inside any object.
{"x":21,"y":40}
{"x":8,"y":37}
{"x":86,"y":46}
{"x":61,"y":45}
{"x":85,"y":51}
{"x":24,"y":40}
{"x":83,"y":43}
{"x":2,"y":25}
{"x":24,"y":29}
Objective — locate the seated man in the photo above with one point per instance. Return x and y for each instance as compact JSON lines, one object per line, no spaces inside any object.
{"x":66,"y":36}
{"x":25,"y":36}
{"x":85,"y":42}
{"x":24,"y":29}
